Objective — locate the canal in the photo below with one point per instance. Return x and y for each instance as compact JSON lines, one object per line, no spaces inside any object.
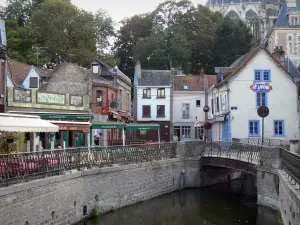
{"x":221,"y":204}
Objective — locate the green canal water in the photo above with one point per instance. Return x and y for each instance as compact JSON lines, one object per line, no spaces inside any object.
{"x":216,"y":205}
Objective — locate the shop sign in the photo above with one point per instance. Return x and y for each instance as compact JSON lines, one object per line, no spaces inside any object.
{"x":104,"y":111}
{"x":261,"y":87}
{"x":22,"y":95}
{"x":59,"y":116}
{"x":76,"y":100}
{"x":73,"y":127}
{"x":50,"y":98}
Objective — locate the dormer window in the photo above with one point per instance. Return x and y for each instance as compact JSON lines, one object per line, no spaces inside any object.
{"x":33,"y":82}
{"x":294,"y":20}
{"x":95,"y":69}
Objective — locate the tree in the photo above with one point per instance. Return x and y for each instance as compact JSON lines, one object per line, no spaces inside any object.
{"x":104,"y":26}
{"x":233,"y":39}
{"x":69,"y":34}
{"x":132,"y":29}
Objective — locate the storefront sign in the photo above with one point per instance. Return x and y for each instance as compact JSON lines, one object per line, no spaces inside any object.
{"x":73,"y":127}
{"x":261,"y":87}
{"x":22,"y":95}
{"x":72,"y":117}
{"x":76,"y":100}
{"x":104,"y":111}
{"x":50,"y":98}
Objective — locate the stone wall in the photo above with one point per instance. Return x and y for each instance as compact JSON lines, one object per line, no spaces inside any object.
{"x":62,"y":199}
{"x":289,"y":200}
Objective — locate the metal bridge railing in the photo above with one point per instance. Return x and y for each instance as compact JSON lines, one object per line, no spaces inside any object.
{"x":291,"y":164}
{"x":267,"y":142}
{"x":22,"y":167}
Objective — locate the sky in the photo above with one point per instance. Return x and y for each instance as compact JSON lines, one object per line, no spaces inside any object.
{"x":119,"y":9}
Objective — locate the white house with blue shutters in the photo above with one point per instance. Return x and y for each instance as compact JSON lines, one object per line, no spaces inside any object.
{"x":255,"y":79}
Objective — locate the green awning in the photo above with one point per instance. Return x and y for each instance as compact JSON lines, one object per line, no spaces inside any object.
{"x":107,"y":125}
{"x":140,"y":126}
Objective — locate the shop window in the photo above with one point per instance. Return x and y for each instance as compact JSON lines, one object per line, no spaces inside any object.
{"x":186,"y":132}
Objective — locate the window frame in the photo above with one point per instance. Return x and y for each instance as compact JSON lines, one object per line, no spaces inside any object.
{"x":97,"y":96}
{"x":251,"y":133}
{"x":274,"y":128}
{"x":37,"y":82}
{"x":185,"y":115}
{"x":186,"y":131}
{"x":161,"y":116}
{"x":262,"y":75}
{"x":260,"y":103}
{"x":143,"y":111}
{"x":146,"y":95}
{"x":198,"y":105}
{"x":159,"y":90}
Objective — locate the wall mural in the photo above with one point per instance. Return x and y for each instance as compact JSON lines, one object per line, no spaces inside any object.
{"x":22,"y":95}
{"x":76,"y":100}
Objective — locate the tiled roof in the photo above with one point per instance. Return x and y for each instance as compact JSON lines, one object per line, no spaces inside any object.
{"x":18,"y":71}
{"x":194,"y":83}
{"x":155,"y":78}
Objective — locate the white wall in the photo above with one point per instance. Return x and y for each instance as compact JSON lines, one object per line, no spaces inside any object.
{"x":153,"y":102}
{"x":190,"y":97}
{"x":26,"y":82}
{"x":282,"y":100}
{"x":9,"y":82}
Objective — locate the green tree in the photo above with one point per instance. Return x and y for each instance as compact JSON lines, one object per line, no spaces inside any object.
{"x":104,"y":26}
{"x":233,"y":39}
{"x":70,"y":34}
{"x":131,"y":30}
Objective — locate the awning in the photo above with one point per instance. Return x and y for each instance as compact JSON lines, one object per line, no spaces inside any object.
{"x":25,"y":123}
{"x":72,"y":125}
{"x":107,"y":125}
{"x":139,"y":126}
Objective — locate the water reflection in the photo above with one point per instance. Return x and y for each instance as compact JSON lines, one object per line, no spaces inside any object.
{"x":217,"y":205}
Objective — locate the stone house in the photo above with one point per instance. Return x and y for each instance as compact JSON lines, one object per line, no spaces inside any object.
{"x":285,"y":33}
{"x":255,"y":79}
{"x":189,"y":98}
{"x":152,"y":102}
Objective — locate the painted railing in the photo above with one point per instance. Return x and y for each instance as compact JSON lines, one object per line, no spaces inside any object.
{"x":267,"y":142}
{"x":22,"y":167}
{"x":291,"y":164}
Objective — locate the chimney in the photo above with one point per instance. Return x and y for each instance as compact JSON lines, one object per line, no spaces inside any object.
{"x":279,"y":54}
{"x":291,"y":3}
{"x":204,"y":79}
{"x":138,"y":68}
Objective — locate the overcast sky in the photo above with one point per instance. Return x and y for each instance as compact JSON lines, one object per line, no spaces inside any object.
{"x":118,"y":9}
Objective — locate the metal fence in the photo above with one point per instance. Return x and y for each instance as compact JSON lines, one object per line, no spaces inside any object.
{"x":22,"y":167}
{"x":233,"y":150}
{"x":267,"y":142}
{"x":291,"y":164}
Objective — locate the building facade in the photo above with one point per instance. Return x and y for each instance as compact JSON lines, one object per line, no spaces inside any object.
{"x":285,"y":33}
{"x":260,"y":16}
{"x":189,"y":98}
{"x":153,"y":101}
{"x":258,"y":79}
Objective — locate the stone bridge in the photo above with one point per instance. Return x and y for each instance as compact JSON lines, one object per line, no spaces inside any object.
{"x":63,"y":186}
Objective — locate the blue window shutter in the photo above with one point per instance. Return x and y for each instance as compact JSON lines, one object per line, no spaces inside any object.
{"x":258,"y":127}
{"x":283,"y":128}
{"x":267,"y":99}
{"x":257,"y":103}
{"x":249,"y":132}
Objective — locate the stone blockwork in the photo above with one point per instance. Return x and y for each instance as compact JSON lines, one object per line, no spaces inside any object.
{"x":289,"y":200}
{"x":62,"y":199}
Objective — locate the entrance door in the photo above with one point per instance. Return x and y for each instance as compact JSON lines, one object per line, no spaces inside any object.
{"x":225,"y":131}
{"x":177,"y":132}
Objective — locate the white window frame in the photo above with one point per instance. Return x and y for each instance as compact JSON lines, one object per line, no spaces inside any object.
{"x":185,"y":110}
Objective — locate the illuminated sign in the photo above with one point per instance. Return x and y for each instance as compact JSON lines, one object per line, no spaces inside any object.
{"x":261,"y":87}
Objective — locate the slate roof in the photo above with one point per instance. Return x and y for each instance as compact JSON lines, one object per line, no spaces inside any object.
{"x":238,"y":1}
{"x":194,"y":83}
{"x":290,"y":66}
{"x":282,"y":20}
{"x":18,"y":71}
{"x":155,"y":78}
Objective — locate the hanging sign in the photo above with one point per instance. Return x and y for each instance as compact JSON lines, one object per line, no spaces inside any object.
{"x":104,"y":111}
{"x":261,"y":87}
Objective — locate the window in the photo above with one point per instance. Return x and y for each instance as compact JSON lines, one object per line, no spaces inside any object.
{"x":95,"y":69}
{"x":278,"y":128}
{"x":291,"y":48}
{"x":294,"y":20}
{"x":146,"y":111}
{"x":254,"y":128}
{"x":290,"y":38}
{"x":186,"y":132}
{"x":128,"y":102}
{"x":33,"y":82}
{"x":212,"y":106}
{"x":199,"y":133}
{"x":160,"y":111}
{"x":218,"y":109}
{"x":225,"y":102}
{"x":99,"y":98}
{"x":161,"y":93}
{"x":185,"y":111}
{"x":147,"y":93}
{"x":121,"y":99}
{"x":112,"y":96}
{"x":262,"y":75}
{"x":198,"y":103}
{"x":261,"y":99}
